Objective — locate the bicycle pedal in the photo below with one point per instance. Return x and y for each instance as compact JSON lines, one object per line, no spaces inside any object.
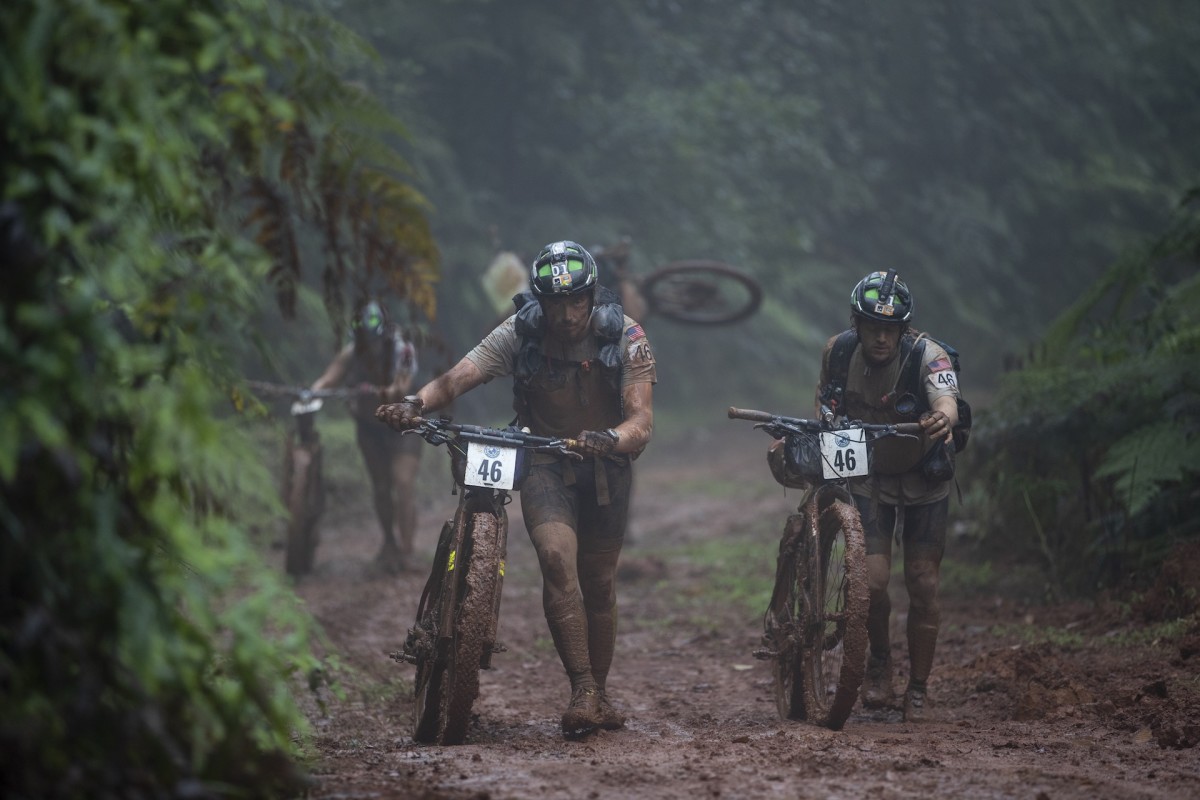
{"x":402,"y":657}
{"x":765,"y":654}
{"x":497,"y":647}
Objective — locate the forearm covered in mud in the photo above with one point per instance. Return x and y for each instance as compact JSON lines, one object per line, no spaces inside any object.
{"x":442,"y":390}
{"x":638,"y":425}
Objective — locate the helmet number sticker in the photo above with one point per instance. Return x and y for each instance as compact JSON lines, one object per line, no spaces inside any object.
{"x":490,"y":466}
{"x":844,"y":454}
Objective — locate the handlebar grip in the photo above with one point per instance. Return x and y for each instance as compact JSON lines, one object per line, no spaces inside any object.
{"x":750,"y":414}
{"x":908,"y":428}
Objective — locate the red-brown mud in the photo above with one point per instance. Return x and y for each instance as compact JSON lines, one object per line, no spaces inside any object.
{"x":1027,"y":701}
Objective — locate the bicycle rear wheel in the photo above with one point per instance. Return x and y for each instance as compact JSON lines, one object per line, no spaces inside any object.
{"x":834,"y":647}
{"x":428,"y":651}
{"x":702,"y":292}
{"x":474,"y":631}
{"x":780,"y":622}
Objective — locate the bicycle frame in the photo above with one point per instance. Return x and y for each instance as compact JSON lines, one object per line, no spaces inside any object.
{"x":454,"y":635}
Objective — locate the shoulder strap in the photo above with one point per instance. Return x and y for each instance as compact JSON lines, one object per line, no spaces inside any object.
{"x":839,"y":357}
{"x":839,"y":369}
{"x":913,"y":350}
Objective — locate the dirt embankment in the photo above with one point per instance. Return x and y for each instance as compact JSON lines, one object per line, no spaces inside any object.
{"x":1031,"y":702}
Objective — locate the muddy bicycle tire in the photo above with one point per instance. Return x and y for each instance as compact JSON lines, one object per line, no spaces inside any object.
{"x":304,"y":496}
{"x":474,"y":629}
{"x":833,"y":650}
{"x":781,"y":620}
{"x":430,"y":658}
{"x":701,"y":292}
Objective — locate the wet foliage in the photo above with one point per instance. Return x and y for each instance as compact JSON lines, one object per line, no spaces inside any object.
{"x":1091,"y":450}
{"x":145,"y":649}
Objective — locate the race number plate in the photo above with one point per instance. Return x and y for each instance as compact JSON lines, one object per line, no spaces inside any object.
{"x":844,"y":453}
{"x":490,"y":466}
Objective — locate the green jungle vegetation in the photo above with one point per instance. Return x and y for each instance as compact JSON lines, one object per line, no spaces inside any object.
{"x":197,"y":192}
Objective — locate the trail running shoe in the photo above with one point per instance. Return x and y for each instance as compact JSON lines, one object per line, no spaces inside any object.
{"x":877,"y":689}
{"x":583,"y":713}
{"x":610,"y":718}
{"x":914,"y":705}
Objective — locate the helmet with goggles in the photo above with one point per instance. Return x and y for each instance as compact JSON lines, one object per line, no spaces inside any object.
{"x":882,"y":297}
{"x":562,"y":269}
{"x":369,"y":320}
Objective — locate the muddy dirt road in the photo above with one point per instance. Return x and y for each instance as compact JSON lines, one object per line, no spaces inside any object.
{"x":1029,"y":701}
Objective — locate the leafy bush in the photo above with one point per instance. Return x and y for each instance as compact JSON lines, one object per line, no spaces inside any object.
{"x":1091,"y":452}
{"x":134,"y":659}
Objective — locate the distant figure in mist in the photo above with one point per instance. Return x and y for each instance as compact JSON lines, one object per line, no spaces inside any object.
{"x":583,"y":370}
{"x":382,"y":363}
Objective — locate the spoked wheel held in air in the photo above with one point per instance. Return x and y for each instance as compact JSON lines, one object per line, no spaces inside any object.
{"x":701,"y":292}
{"x":816,"y":624}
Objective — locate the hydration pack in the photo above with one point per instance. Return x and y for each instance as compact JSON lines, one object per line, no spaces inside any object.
{"x":912,"y":356}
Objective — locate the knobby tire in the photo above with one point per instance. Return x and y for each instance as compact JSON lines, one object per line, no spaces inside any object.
{"x":692,"y":292}
{"x":833,"y":650}
{"x":474,"y":630}
{"x":304,"y":496}
{"x":431,"y":666}
{"x":780,"y":622}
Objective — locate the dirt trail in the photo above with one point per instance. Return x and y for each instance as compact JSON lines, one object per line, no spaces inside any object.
{"x":1088,"y":716}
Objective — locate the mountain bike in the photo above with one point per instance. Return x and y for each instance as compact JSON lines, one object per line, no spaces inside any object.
{"x":690,"y":291}
{"x":302,"y":485}
{"x":815,"y":625}
{"x":454,"y":635}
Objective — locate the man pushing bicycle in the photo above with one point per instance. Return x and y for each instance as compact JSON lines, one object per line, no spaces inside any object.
{"x":581,"y":370}
{"x":880,"y":371}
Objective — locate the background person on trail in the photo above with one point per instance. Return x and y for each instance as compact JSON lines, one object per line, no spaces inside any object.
{"x":907,"y":494}
{"x":581,"y":370}
{"x":379,"y":360}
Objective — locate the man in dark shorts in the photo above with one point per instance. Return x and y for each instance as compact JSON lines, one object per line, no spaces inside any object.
{"x":583,"y":370}
{"x":905,"y":496}
{"x":382,"y":363}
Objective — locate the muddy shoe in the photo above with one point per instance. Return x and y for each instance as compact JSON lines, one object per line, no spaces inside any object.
{"x":610,"y":718}
{"x":914,"y":705}
{"x":583,"y":714}
{"x":877,"y":689}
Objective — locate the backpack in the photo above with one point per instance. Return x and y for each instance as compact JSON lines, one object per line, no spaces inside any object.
{"x":912,"y":356}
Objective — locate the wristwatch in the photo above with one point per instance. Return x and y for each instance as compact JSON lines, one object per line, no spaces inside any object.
{"x":616,"y":437}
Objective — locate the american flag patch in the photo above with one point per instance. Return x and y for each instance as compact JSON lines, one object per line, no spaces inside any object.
{"x":635,"y":333}
{"x":939,"y":364}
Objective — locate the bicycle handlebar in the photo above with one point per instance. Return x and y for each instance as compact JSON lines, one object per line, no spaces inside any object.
{"x":777,"y":422}
{"x":443,"y":431}
{"x":303,"y":392}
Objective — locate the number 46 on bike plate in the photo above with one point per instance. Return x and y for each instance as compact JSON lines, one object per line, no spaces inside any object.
{"x":844,"y":453}
{"x":490,"y":466}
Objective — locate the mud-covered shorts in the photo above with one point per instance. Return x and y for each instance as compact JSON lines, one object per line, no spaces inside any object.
{"x":569,"y":493}
{"x":924,"y":534}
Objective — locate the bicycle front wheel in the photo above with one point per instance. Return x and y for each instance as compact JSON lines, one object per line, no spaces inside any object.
{"x":304,"y":495}
{"x":834,"y":645}
{"x":702,"y":292}
{"x":474,"y":626}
